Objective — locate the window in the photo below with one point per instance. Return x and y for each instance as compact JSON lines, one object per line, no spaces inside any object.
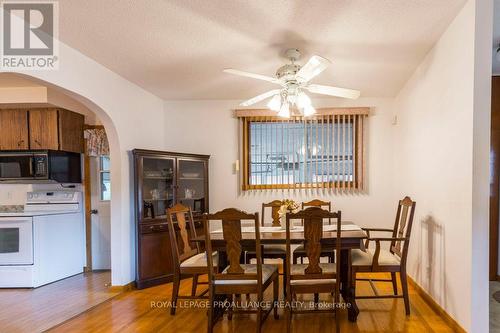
{"x":104,"y":178}
{"x":325,"y":151}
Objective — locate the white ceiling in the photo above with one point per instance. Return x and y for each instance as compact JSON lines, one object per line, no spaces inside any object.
{"x":177,"y":49}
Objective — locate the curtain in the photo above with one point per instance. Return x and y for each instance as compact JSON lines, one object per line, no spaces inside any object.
{"x":97,"y":142}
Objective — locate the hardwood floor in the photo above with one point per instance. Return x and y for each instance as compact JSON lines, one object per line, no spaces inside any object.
{"x":494,"y":308}
{"x":141,"y":311}
{"x":36,"y":310}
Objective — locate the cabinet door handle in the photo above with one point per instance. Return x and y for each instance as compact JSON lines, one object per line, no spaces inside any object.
{"x":38,"y":143}
{"x":20,"y":143}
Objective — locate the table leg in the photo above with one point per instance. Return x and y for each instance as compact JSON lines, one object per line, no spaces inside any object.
{"x":348,"y":287}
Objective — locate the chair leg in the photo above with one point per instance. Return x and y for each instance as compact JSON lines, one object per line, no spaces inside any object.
{"x":316,"y":300}
{"x":195,"y":285}
{"x":394,"y":283}
{"x":288,"y":315}
{"x":230,"y":309}
{"x":404,"y":286}
{"x":337,"y":320}
{"x":248,"y":259}
{"x":284,"y":274}
{"x":294,"y":259}
{"x":175,"y":292}
{"x":276,"y":292}
{"x":259,"y":314}
{"x":210,"y":310}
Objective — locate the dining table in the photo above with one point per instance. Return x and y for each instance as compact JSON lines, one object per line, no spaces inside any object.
{"x":352,"y":237}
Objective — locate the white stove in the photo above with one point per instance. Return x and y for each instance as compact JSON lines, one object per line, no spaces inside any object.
{"x":43,"y":240}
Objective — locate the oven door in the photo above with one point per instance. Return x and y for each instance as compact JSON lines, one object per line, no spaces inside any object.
{"x":16,"y":241}
{"x":16,"y":166}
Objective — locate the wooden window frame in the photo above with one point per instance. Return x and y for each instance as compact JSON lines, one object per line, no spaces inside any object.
{"x":355,"y":115}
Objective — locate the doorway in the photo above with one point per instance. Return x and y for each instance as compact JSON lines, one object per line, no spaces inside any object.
{"x":100,"y":197}
{"x":97,"y":165}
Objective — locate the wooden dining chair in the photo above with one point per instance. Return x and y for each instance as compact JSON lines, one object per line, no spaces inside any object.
{"x":300,"y":252}
{"x":271,"y":251}
{"x":236,"y":278}
{"x":392,"y":260}
{"x":188,"y":260}
{"x":313,"y":277}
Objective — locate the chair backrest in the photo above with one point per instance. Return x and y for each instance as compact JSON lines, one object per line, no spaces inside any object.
{"x":318,"y":203}
{"x":181,"y":229}
{"x":313,"y":233}
{"x":231,"y":230}
{"x":402,"y":227}
{"x":274,"y":207}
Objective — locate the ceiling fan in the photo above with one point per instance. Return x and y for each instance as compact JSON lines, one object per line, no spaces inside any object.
{"x":294,"y":79}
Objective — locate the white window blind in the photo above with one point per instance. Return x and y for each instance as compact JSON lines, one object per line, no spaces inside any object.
{"x":325,"y":151}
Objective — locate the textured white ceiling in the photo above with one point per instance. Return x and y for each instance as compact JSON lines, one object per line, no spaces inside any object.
{"x":177,"y":49}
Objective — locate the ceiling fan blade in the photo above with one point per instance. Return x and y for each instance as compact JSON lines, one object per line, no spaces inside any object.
{"x":333,"y":91}
{"x":313,"y":67}
{"x":252,"y":75}
{"x":260,"y":97}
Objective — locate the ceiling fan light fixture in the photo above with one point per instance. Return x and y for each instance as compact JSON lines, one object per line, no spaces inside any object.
{"x":293,"y":79}
{"x":308,"y":110}
{"x":284,"y":111}
{"x":303,"y":100}
{"x":275,"y":103}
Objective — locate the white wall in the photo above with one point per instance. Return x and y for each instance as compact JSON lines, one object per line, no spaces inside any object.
{"x":441,"y":160}
{"x":209,"y":127}
{"x":483,"y":35}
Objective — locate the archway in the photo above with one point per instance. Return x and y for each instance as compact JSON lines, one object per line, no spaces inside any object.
{"x":116,"y":158}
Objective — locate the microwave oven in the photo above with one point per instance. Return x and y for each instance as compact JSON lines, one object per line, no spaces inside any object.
{"x":40,"y":166}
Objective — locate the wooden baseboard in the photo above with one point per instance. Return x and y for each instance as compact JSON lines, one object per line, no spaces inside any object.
{"x":436,"y":307}
{"x":129,"y":286}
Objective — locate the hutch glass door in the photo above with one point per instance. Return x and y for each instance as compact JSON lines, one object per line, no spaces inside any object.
{"x":192,"y":185}
{"x":157,"y":187}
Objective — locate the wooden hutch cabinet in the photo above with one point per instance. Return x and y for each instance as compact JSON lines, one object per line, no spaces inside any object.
{"x":162,"y":179}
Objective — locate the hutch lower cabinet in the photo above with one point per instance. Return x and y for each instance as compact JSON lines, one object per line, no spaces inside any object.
{"x":161,"y":180}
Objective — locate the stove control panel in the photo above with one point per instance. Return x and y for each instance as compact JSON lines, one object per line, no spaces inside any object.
{"x":53,"y":197}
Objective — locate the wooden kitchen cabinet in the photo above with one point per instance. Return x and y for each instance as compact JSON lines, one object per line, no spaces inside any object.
{"x":14,"y":129}
{"x":70,"y":131}
{"x":43,"y":129}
